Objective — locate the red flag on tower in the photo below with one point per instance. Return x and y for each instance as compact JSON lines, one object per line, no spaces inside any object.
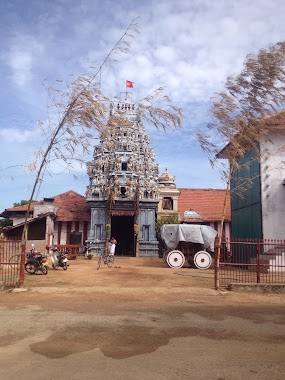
{"x":129,"y":84}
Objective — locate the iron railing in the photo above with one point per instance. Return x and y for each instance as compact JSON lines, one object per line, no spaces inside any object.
{"x":251,"y":261}
{"x":12,"y":263}
{"x":71,"y":250}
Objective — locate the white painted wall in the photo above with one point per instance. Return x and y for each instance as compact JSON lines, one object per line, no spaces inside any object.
{"x":62,"y":235}
{"x":227,"y":229}
{"x":64,"y":231}
{"x":272,"y":189}
{"x":18,"y":219}
{"x":43,"y":209}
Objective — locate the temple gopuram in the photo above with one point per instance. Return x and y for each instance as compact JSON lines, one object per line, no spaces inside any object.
{"x":123,"y":185}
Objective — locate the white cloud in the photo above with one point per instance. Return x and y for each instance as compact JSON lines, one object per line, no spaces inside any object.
{"x":21,"y":64}
{"x":13,"y":135}
{"x":23,"y":54}
{"x":166,"y":54}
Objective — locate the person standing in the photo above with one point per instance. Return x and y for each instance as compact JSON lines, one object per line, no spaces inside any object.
{"x":111,"y":247}
{"x":113,"y":242}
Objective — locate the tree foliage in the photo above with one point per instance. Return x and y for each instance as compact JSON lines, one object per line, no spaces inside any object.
{"x":22,"y":203}
{"x":239,"y":112}
{"x":5,"y":222}
{"x":166,"y":219}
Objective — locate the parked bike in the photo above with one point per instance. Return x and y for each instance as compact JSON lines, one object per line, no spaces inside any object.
{"x":88,"y":251}
{"x":58,"y":259}
{"x":36,"y":262}
{"x":108,"y":260}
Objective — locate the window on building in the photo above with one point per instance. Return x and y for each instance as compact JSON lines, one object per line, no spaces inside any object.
{"x":167,"y":203}
{"x":124,"y":166}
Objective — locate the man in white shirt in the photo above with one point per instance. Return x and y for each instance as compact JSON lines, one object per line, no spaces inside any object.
{"x":111,"y":248}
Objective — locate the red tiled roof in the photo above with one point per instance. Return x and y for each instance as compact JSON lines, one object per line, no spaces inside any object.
{"x":70,"y":205}
{"x":272,"y":121}
{"x":277,"y":118}
{"x":208,"y":203}
{"x":23,"y":208}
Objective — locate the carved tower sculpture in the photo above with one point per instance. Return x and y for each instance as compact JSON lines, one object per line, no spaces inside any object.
{"x":123,"y":185}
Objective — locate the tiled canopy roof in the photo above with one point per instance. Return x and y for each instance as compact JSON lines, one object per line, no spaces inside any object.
{"x":208,"y":203}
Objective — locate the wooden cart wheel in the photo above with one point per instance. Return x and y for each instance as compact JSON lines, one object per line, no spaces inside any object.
{"x":175,"y":259}
{"x":202,"y":260}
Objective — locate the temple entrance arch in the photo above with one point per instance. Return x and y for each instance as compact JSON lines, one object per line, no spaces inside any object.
{"x":122,"y":229}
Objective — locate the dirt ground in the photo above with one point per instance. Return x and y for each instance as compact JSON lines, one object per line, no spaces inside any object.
{"x":138,"y":320}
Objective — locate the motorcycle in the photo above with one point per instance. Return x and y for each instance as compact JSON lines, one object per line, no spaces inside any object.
{"x":36,"y":262}
{"x":88,"y":251}
{"x":58,"y":259}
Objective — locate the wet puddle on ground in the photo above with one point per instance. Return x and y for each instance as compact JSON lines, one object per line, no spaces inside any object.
{"x":119,"y":343}
{"x":127,"y":341}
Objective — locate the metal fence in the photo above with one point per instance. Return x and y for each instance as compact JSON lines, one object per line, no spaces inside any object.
{"x":11,"y":263}
{"x":251,"y":261}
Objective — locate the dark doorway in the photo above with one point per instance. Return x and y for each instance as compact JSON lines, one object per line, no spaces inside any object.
{"x":123,"y":231}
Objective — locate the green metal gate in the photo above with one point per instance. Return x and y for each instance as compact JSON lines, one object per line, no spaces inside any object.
{"x":246,"y":214}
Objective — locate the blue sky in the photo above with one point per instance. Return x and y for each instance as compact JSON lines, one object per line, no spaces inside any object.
{"x":186,"y":45}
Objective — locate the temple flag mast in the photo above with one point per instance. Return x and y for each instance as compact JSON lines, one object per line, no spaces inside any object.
{"x":129,"y":84}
